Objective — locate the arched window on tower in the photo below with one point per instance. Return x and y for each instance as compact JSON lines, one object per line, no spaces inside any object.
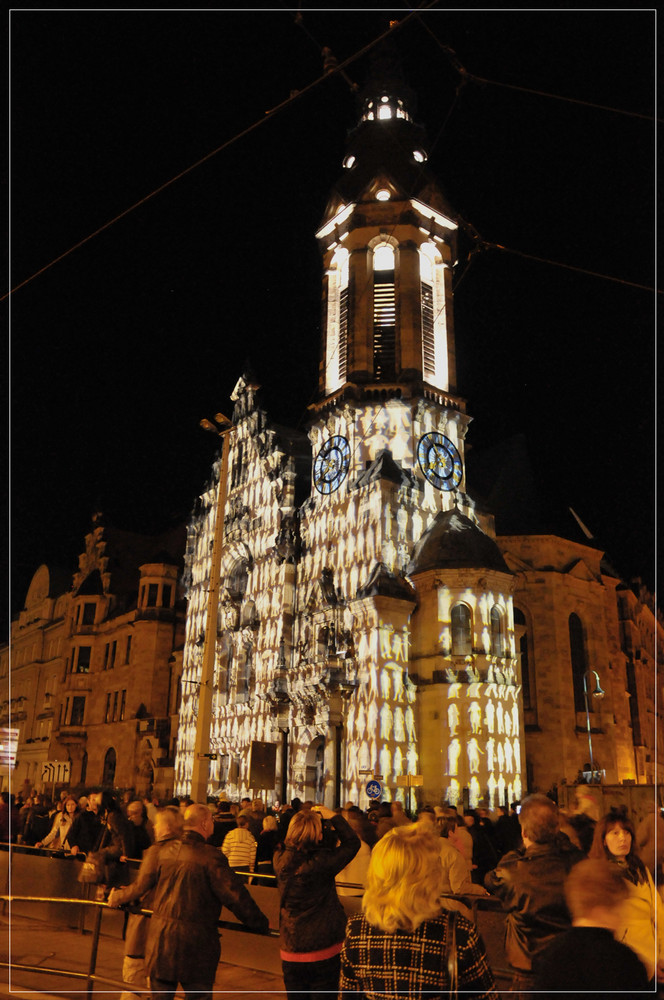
{"x":434,"y":320}
{"x":497,"y":632}
{"x":462,"y":635}
{"x":108,"y":774}
{"x":527,"y":667}
{"x":336,"y":355}
{"x":577,"y":649}
{"x":384,"y":313}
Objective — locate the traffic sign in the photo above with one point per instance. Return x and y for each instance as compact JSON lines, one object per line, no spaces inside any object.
{"x":56,"y":770}
{"x":374,"y":789}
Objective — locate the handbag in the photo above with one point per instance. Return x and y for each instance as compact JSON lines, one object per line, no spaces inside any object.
{"x":451,"y":954}
{"x":93,"y":869}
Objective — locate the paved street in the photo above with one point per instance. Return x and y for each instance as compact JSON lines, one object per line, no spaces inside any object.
{"x":42,"y":943}
{"x":34,"y":942}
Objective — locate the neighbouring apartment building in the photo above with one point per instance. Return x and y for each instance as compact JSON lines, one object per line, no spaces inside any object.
{"x":92,"y":671}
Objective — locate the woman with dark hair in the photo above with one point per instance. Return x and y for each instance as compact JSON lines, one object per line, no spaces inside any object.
{"x":642,"y":915}
{"x":404,"y":943}
{"x":312,"y":921}
{"x":115,"y":839}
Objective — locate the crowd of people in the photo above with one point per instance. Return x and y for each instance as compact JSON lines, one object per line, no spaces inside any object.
{"x":582,"y":911}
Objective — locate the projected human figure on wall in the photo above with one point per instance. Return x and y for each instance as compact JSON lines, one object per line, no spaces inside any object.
{"x":453,"y":752}
{"x":475,"y":717}
{"x":453,"y":718}
{"x":473,"y":756}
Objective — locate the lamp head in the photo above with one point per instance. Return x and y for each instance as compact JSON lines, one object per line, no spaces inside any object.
{"x":598,"y":692}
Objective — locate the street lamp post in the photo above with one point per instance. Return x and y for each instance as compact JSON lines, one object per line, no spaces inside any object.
{"x":201,"y":766}
{"x":599,"y":694}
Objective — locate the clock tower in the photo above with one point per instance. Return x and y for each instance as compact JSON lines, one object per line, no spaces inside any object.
{"x":366,"y":623}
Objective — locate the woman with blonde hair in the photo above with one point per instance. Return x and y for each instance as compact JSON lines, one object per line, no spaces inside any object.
{"x":404,"y":943}
{"x":312,"y":921}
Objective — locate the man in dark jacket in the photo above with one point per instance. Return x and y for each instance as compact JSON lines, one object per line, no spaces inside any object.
{"x":193,"y":881}
{"x":530,"y":883}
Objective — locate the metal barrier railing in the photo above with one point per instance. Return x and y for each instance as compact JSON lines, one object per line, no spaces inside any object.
{"x":473,"y":902}
{"x":91,"y":976}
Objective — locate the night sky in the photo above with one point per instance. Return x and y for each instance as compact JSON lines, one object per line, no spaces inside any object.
{"x":118,"y":350}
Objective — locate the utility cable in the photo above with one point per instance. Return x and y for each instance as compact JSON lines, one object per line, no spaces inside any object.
{"x":465,"y":76}
{"x":487,"y":245}
{"x":332,"y":70}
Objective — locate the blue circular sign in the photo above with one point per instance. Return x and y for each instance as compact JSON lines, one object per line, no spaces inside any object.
{"x":374,"y":789}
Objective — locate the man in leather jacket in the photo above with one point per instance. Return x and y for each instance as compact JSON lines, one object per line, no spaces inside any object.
{"x":193,"y":882}
{"x":530,"y":883}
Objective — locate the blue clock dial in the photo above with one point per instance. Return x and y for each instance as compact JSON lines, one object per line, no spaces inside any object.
{"x":331,"y":464}
{"x":440,"y":461}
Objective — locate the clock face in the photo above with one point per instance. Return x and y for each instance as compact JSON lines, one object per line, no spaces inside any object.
{"x":440,"y":461}
{"x":331,"y":464}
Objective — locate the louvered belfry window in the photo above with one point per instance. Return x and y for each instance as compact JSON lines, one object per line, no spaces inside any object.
{"x":428,"y":343}
{"x":384,"y":314}
{"x":343,"y":334}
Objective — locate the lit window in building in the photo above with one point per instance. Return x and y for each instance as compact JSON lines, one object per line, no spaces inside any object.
{"x":419,"y":155}
{"x":462,"y":637}
{"x":383,"y":194}
{"x":349,"y":162}
{"x":497,"y":635}
{"x":81,"y":663}
{"x":577,"y":648}
{"x":384,"y":112}
{"x":384,"y":313}
{"x":336,"y":354}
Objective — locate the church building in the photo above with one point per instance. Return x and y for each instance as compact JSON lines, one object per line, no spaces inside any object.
{"x":350,"y":608}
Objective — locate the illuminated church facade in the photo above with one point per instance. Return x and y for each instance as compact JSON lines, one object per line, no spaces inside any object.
{"x":364,"y":610}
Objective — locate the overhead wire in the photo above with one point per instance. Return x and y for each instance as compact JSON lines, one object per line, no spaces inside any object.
{"x":295,"y":96}
{"x":461,"y":69}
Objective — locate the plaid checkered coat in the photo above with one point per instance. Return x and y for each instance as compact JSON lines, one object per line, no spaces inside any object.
{"x":412,"y":964}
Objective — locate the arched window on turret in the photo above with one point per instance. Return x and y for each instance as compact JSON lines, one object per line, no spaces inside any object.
{"x":384,"y":313}
{"x":434,"y":321}
{"x":336,"y":357}
{"x":497,"y":632}
{"x":462,"y":634}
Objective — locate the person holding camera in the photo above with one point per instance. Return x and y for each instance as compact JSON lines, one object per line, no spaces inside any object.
{"x":312,"y":921}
